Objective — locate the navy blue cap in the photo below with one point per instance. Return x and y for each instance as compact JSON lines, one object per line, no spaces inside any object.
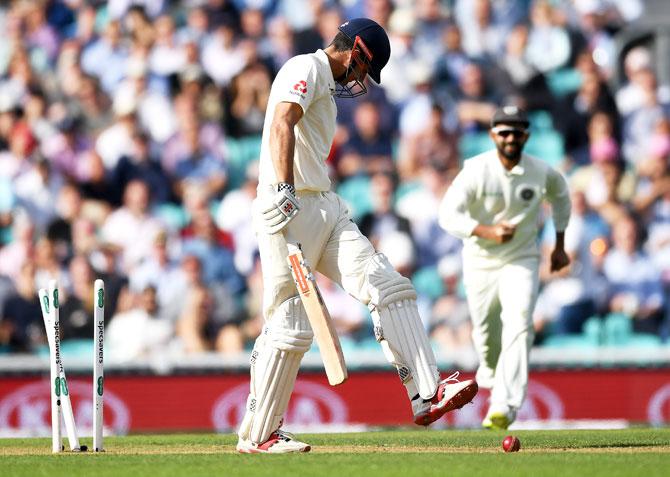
{"x":375,"y":39}
{"x":510,"y":115}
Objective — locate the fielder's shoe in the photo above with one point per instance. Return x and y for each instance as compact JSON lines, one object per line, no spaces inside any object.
{"x":499,"y":420}
{"x":451,"y":394}
{"x":279,"y":442}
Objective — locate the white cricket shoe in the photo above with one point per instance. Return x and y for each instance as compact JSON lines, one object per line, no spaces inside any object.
{"x":451,"y":394}
{"x":279,"y":442}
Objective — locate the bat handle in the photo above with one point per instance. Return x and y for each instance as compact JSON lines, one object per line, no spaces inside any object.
{"x":292,"y":245}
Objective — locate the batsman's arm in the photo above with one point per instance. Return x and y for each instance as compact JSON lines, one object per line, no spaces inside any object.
{"x":282,"y":139}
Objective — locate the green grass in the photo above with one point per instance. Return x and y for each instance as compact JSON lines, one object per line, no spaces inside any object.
{"x":643,"y":452}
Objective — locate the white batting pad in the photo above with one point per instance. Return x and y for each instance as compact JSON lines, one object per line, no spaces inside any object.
{"x":275,"y":361}
{"x":399,"y":329}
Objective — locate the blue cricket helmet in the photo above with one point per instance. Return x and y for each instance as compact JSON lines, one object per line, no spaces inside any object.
{"x":375,"y":39}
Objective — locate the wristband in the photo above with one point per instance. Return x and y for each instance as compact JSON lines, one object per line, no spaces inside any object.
{"x":285,"y":185}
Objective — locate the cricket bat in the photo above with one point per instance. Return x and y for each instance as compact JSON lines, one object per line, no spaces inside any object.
{"x":317,"y":313}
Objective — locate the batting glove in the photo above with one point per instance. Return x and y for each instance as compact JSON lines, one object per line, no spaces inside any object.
{"x":280,"y":211}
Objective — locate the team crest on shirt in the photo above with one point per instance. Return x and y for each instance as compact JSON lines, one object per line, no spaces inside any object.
{"x":300,"y":89}
{"x":526,"y":193}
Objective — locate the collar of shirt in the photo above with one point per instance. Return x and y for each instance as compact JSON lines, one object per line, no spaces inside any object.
{"x":324,"y":63}
{"x":517,"y":170}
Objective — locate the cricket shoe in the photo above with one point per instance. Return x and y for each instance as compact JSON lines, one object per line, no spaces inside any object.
{"x":451,"y":394}
{"x":279,"y":442}
{"x":499,"y":420}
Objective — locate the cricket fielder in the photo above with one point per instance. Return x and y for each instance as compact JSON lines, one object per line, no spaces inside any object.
{"x":294,"y":200}
{"x":493,"y":206}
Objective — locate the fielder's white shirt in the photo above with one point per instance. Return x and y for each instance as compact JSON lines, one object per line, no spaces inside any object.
{"x":484,"y":192}
{"x":308,"y":81}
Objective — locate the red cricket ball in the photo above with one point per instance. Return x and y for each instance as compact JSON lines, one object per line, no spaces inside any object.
{"x":511,"y":444}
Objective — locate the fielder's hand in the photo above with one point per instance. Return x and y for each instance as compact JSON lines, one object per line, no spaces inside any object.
{"x":280,"y":209}
{"x":498,"y":233}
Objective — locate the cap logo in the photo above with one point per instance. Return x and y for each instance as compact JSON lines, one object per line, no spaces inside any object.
{"x":344,"y":24}
{"x":511,"y":110}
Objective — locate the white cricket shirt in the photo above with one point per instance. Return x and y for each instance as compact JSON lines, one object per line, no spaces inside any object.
{"x":308,"y":81}
{"x":484,"y":192}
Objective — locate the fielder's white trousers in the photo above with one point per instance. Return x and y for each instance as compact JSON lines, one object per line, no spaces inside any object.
{"x":331,"y":243}
{"x":501,"y":299}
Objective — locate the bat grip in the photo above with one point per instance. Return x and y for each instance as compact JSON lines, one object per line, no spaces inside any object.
{"x":292,"y":245}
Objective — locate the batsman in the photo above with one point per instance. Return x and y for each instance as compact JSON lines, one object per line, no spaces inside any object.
{"x":294,"y":200}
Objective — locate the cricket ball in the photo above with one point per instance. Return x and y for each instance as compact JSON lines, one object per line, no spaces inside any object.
{"x":511,"y":444}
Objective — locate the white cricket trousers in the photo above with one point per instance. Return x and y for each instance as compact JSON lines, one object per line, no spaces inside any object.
{"x":501,"y":299}
{"x":331,"y":243}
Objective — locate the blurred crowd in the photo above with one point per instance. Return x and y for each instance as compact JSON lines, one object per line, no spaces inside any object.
{"x":129,"y":138}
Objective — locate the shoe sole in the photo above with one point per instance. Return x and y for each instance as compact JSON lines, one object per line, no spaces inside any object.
{"x":256,"y":451}
{"x":460,"y":399}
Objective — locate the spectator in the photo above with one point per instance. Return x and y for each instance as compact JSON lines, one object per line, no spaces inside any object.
{"x":234,"y":217}
{"x":571,"y":296}
{"x":450,"y":67}
{"x":607,"y":185}
{"x":167,"y":55}
{"x":450,"y":325}
{"x":140,"y":332}
{"x":41,"y":38}
{"x":191,"y":131}
{"x":118,"y":8}
{"x":196,"y":27}
{"x":402,"y":25}
{"x":420,"y":207}
{"x":524,"y":82}
{"x":431,"y":19}
{"x":15,"y":254}
{"x":68,"y":207}
{"x":132,"y":228}
{"x":281,"y":41}
{"x":143,"y":166}
{"x":433,"y":144}
{"x":249,"y":93}
{"x":76,"y":308}
{"x":652,"y":199}
{"x":198,"y":165}
{"x":347,"y":314}
{"x":595,"y":26}
{"x":154,"y":111}
{"x":207,"y":318}
{"x":21,"y":326}
{"x":106,"y":57}
{"x":640,"y":121}
{"x":383,"y":219}
{"x":483,"y":38}
{"x":367,"y":146}
{"x":635,"y":281}
{"x":222,"y":57}
{"x":34,"y":110}
{"x":36,"y":190}
{"x":576,"y":111}
{"x":70,"y":151}
{"x":116,"y":141}
{"x":17,"y":160}
{"x":91,"y":105}
{"x":204,"y":240}
{"x":631,"y":96}
{"x":548,"y":41}
{"x":476,"y":102}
